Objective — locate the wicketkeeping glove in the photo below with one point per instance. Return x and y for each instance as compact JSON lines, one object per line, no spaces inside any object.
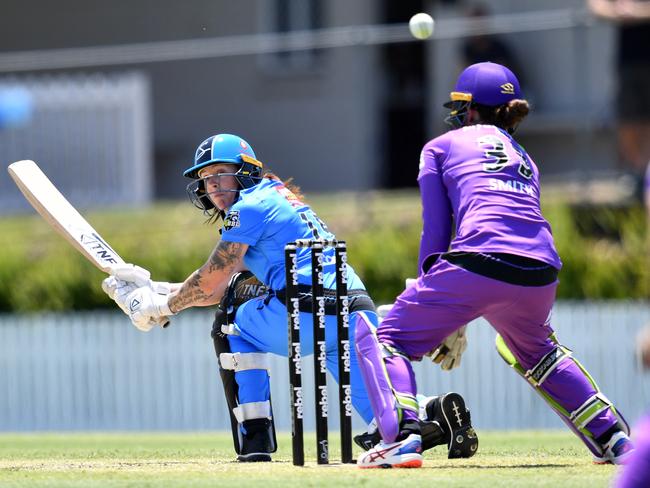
{"x":448,"y":354}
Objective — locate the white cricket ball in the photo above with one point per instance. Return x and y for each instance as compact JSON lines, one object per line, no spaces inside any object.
{"x":421,"y":26}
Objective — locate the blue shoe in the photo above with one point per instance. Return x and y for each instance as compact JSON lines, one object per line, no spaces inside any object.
{"x":406,"y":453}
{"x":617,"y":451}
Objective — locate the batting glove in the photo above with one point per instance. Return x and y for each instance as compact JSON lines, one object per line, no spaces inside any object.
{"x":140,"y":277}
{"x":147,"y":308}
{"x":118,"y":290}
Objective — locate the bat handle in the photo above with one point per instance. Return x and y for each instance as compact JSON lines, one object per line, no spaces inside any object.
{"x":163,"y":322}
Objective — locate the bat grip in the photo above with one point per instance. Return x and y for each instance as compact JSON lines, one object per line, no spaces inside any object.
{"x":163,"y":322}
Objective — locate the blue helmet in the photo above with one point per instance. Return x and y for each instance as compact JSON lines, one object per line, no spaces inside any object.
{"x":222,"y":148}
{"x":231,"y":149}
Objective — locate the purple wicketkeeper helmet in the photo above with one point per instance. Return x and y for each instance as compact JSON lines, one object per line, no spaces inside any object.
{"x":488,"y":84}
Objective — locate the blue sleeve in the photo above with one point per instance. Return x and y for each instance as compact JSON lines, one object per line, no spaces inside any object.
{"x":436,"y":207}
{"x":244,"y":222}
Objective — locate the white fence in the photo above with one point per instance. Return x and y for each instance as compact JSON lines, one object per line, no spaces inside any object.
{"x":93,"y":371}
{"x":91,"y":134}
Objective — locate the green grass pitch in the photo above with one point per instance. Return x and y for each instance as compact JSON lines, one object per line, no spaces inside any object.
{"x":505,"y":459}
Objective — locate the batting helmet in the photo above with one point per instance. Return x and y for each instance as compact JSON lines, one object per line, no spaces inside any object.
{"x":231,"y":149}
{"x":488,"y":84}
{"x":222,"y":148}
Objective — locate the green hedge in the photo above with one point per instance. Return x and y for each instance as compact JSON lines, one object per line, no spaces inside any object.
{"x":605,"y":250}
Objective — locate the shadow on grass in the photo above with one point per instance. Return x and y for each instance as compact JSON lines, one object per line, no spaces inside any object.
{"x":506,"y":466}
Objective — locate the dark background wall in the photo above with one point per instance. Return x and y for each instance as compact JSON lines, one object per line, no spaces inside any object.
{"x":346,"y":118}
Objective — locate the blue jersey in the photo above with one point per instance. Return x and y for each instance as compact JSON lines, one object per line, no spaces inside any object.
{"x":267,"y":216}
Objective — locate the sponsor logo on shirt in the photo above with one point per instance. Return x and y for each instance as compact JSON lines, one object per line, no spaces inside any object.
{"x":232,"y":220}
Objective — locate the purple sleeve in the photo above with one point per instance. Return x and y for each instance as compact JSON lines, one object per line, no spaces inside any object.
{"x":436,"y":208}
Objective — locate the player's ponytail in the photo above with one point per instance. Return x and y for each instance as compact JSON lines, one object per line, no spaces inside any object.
{"x":511,"y":114}
{"x":506,"y":116}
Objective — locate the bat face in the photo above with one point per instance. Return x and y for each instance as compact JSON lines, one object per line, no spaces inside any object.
{"x":61,"y":215}
{"x":64,"y":218}
{"x":99,"y":248}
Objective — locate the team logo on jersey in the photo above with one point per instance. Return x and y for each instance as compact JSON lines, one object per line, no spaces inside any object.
{"x":232,"y":220}
{"x":508,"y":88}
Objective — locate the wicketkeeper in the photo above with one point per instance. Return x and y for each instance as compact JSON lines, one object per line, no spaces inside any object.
{"x":499,"y":262}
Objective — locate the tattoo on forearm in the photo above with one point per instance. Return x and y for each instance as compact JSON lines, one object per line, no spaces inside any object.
{"x":224,"y":257}
{"x":190,"y":292}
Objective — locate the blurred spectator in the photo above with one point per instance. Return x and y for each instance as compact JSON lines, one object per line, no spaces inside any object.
{"x":481,"y":48}
{"x":633,"y":71}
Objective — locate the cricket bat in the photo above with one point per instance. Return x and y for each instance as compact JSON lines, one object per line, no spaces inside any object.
{"x":63,"y":217}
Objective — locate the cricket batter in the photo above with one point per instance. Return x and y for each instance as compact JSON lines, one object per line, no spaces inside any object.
{"x":260,"y":214}
{"x":498,"y":262}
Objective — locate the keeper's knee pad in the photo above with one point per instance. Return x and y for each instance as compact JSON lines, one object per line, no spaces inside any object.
{"x":577,"y":419}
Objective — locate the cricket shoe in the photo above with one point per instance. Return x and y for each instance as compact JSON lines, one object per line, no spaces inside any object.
{"x":370,"y":438}
{"x":406,"y":453}
{"x":367,"y":440}
{"x":455,"y":420}
{"x":617,"y":450}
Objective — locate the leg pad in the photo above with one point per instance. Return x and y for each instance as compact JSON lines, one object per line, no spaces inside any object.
{"x":378,"y":385}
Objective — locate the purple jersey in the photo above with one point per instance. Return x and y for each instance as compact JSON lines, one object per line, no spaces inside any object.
{"x":482,"y":179}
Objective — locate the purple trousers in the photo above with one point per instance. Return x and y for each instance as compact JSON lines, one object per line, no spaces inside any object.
{"x":448,"y":297}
